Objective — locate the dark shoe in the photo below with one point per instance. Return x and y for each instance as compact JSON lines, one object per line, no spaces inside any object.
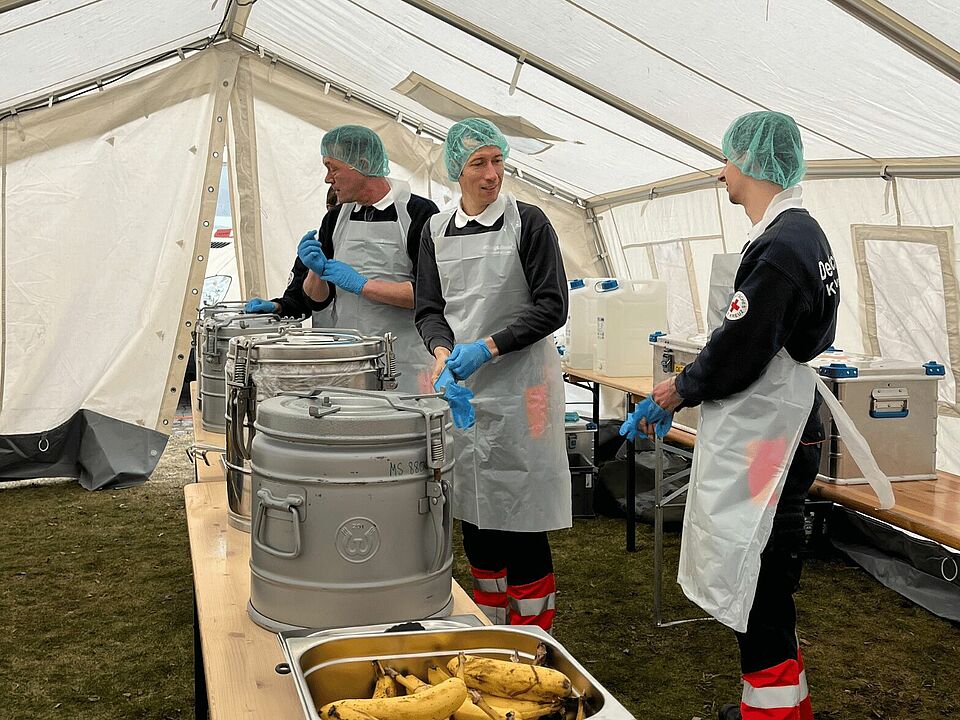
{"x":729,"y":712}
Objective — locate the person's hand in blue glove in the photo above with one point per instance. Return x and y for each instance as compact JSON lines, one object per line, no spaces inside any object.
{"x":648,"y":410}
{"x":259,"y":305}
{"x":466,"y":359}
{"x":343,"y":276}
{"x":458,"y":397}
{"x":310,"y":252}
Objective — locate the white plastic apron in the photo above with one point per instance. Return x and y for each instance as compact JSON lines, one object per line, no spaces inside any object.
{"x":745,"y":444}
{"x":379,"y":250}
{"x":511,"y":471}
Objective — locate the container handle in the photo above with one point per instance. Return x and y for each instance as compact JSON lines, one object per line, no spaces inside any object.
{"x":289,"y":504}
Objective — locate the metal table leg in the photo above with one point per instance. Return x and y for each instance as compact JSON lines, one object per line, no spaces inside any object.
{"x":200,"y":707}
{"x":657,"y":529}
{"x":661,"y":502}
{"x":631,"y":493}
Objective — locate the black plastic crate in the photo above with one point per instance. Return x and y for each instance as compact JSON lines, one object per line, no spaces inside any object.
{"x":583,"y":476}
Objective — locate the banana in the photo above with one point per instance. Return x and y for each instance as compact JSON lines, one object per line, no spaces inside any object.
{"x":511,"y":680}
{"x":346,"y":713}
{"x":436,"y":674}
{"x":411,"y":683}
{"x":386,"y":686}
{"x":529,"y":709}
{"x":484,"y":707}
{"x":436,"y":702}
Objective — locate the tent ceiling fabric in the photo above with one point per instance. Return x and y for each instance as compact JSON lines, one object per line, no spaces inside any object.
{"x":55,"y":43}
{"x":695,"y":65}
{"x":700,"y":64}
{"x":375,"y":47}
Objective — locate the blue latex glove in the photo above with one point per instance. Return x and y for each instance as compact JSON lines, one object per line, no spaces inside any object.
{"x":458,"y":397}
{"x":466,"y":359}
{"x":654,"y":414}
{"x":259,"y":305}
{"x":310,"y":252}
{"x":343,"y":276}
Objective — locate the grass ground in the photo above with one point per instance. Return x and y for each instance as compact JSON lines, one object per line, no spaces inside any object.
{"x":96,"y":601}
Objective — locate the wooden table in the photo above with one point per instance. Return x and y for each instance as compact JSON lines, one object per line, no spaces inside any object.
{"x":207,"y":451}
{"x":930,"y":508}
{"x":234,"y":657}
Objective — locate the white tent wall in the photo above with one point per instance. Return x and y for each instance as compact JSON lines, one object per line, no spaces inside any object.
{"x":290,"y":113}
{"x":703,"y":222}
{"x":104,"y":201}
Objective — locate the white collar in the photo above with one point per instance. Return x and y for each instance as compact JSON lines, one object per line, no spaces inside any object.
{"x":381,"y":204}
{"x":786,"y":200}
{"x":487,"y":218}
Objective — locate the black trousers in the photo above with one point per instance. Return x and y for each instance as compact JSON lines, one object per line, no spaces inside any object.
{"x":525,"y":555}
{"x":771,"y":635}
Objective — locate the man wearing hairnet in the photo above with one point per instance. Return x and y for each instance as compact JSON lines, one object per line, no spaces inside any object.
{"x":490,"y":292}
{"x":294,"y":302}
{"x":759,"y":438}
{"x":364,"y":259}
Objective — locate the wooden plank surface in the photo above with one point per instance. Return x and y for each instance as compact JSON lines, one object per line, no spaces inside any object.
{"x":211,"y":469}
{"x":240,"y":656}
{"x":639,"y":387}
{"x":930,"y":508}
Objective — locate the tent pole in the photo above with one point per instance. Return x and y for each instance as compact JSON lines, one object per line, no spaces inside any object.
{"x":600,"y":243}
{"x":568,"y":78}
{"x":934,"y":168}
{"x":904,"y":33}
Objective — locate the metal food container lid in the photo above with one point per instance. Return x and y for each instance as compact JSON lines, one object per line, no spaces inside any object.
{"x":312,"y":344}
{"x":343,"y":415}
{"x":231,"y":324}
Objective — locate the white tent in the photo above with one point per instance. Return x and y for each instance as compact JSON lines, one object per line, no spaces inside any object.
{"x":114,"y":117}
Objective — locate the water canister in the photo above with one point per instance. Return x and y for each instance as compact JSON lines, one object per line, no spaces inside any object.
{"x":293,"y":360}
{"x":628,"y":311}
{"x":214,"y":332}
{"x":581,"y":329}
{"x":351,"y":514}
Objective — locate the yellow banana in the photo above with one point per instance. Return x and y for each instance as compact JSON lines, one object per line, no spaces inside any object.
{"x":386,"y":686}
{"x":529,"y":709}
{"x":413,"y":684}
{"x":346,"y":713}
{"x":436,"y":674}
{"x":511,"y":680}
{"x":436,"y":702}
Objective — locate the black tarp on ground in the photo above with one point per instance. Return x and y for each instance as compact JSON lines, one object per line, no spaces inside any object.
{"x":921,"y":570}
{"x":98,"y":450}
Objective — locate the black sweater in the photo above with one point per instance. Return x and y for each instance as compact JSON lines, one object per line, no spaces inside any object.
{"x":787,"y":296}
{"x":542,"y":266}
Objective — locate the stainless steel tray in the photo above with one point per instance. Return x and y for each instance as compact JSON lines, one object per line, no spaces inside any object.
{"x":335,"y":664}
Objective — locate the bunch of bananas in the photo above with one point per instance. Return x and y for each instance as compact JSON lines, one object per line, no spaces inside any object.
{"x":468,"y":688}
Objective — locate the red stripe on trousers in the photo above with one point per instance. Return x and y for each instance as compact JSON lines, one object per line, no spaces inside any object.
{"x":786,"y":674}
{"x":490,"y":599}
{"x":533,"y":591}
{"x":487,"y":574}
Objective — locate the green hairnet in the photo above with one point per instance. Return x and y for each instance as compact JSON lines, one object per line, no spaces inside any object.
{"x":357,"y":146}
{"x":766,"y":145}
{"x":465,"y":138}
